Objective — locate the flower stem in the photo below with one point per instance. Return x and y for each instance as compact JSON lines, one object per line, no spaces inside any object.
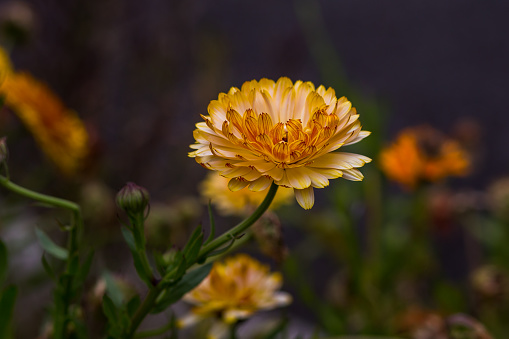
{"x":244,"y":225}
{"x":154,"y":292}
{"x":47,"y":199}
{"x":60,"y":320}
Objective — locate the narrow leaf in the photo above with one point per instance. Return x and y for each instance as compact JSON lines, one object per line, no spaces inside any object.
{"x":212,"y":225}
{"x":112,"y":289}
{"x":186,"y":284}
{"x":133,"y":305}
{"x":85,"y":268}
{"x":49,"y":246}
{"x":7,"y":302}
{"x":47,"y":267}
{"x":3,"y":261}
{"x":129,"y":239}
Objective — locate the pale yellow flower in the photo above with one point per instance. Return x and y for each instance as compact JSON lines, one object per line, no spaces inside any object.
{"x":215,"y":189}
{"x":58,"y":130}
{"x":280,"y":132}
{"x":234,"y":290}
{"x":423,"y":154}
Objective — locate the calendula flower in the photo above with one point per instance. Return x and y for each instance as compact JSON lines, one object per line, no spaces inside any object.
{"x":234,"y":290}
{"x":423,"y":154}
{"x":215,"y":189}
{"x":58,"y":130}
{"x":280,"y":132}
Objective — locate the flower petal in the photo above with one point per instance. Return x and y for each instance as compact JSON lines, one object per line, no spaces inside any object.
{"x":305,"y":197}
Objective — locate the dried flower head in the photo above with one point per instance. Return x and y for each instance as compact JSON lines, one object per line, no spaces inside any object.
{"x":215,"y":189}
{"x":423,"y":154}
{"x":280,"y":132}
{"x":234,"y":290}
{"x":59,"y":131}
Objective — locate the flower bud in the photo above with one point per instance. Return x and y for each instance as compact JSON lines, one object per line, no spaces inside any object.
{"x":133,"y":199}
{"x":4,"y":152}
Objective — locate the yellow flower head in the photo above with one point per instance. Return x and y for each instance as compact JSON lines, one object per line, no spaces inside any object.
{"x":280,"y":132}
{"x":59,"y":131}
{"x":235,"y":289}
{"x":215,"y":189}
{"x":423,"y":154}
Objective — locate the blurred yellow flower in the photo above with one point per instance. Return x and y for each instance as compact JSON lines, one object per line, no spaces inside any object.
{"x":215,"y":189}
{"x":59,"y":131}
{"x":423,"y":154}
{"x":234,"y":290}
{"x":280,"y":132}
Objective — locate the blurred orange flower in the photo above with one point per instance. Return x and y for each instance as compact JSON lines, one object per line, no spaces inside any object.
{"x":215,"y":189}
{"x":234,"y":290}
{"x":59,"y":131}
{"x":423,"y":154}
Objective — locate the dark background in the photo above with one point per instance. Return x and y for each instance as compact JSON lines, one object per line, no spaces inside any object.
{"x":140,"y":72}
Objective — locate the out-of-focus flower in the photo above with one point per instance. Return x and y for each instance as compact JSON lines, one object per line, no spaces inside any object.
{"x":215,"y":189}
{"x":490,"y":282}
{"x":498,"y":195}
{"x":234,"y":290}
{"x":423,"y":154}
{"x":4,"y":151}
{"x":17,"y":21}
{"x":58,"y":130}
{"x":421,"y":324}
{"x":280,"y":132}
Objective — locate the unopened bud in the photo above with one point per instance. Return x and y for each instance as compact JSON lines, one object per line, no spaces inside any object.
{"x":133,"y":199}
{"x":4,"y":151}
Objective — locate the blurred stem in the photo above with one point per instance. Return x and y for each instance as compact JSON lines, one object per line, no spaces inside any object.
{"x":233,"y":330}
{"x":138,"y":222}
{"x":243,"y":226}
{"x":147,"y":304}
{"x":61,"y":319}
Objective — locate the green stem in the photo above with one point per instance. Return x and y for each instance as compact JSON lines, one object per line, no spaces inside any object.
{"x":61,"y":320}
{"x":46,"y":199}
{"x":240,"y":228}
{"x":154,"y":292}
{"x":138,"y":222}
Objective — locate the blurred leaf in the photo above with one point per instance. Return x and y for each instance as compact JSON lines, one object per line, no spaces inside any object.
{"x":47,"y":267}
{"x":133,"y":305}
{"x":212,"y":225}
{"x":49,"y":246}
{"x":160,"y":263}
{"x":129,"y":239}
{"x":186,"y":284}
{"x":85,"y":268}
{"x":193,"y":246}
{"x":7,"y":303}
{"x":3,"y":261}
{"x":112,"y":289}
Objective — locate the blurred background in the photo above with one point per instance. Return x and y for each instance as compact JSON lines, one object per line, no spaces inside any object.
{"x":140,"y":73}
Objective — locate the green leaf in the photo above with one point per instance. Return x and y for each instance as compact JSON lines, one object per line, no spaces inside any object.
{"x":129,"y":239}
{"x":7,"y":302}
{"x":49,"y":246}
{"x":212,"y":225}
{"x":3,"y":261}
{"x":133,"y":304}
{"x":112,"y":289}
{"x":47,"y":267}
{"x":187,"y":283}
{"x":85,"y":268}
{"x":160,"y":263}
{"x":193,"y":246}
